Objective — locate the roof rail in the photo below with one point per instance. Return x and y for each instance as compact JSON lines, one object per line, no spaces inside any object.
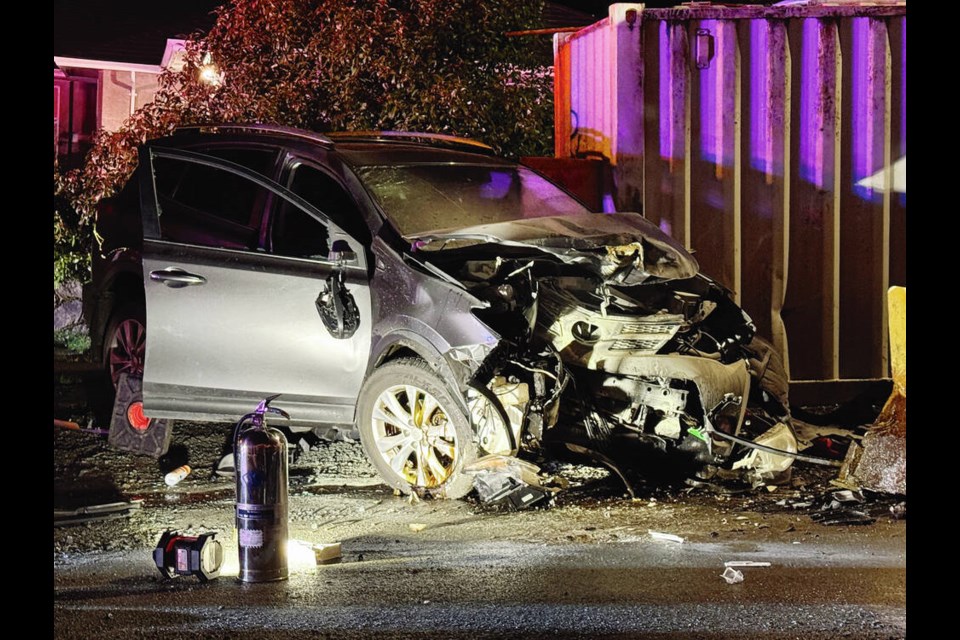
{"x":436,"y":139}
{"x":292,"y":132}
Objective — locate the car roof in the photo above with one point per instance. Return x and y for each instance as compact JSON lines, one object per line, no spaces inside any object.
{"x":362,"y":148}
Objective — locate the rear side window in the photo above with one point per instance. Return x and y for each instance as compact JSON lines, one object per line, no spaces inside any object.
{"x":206,"y":205}
{"x":119,"y":222}
{"x":263,"y":161}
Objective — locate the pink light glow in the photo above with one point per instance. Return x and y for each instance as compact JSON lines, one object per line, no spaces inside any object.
{"x":761,"y":95}
{"x":667,"y":107}
{"x":867,"y":159}
{"x":813,"y":107}
{"x":711,"y":99}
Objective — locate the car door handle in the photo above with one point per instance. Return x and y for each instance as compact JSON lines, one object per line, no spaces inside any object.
{"x":176,"y":278}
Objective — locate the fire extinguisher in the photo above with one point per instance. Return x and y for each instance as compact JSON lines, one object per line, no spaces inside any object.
{"x":261,"y":475}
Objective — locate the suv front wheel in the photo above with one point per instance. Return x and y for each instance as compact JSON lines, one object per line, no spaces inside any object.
{"x":414,"y":432}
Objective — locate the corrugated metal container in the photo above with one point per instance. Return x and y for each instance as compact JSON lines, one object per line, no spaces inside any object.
{"x":772,"y":141}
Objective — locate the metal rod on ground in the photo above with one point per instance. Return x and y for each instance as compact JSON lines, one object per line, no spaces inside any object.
{"x":73,"y":426}
{"x":779,"y":452}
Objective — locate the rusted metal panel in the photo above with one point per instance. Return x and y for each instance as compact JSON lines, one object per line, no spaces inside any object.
{"x":811,"y":310}
{"x":764,"y":134}
{"x":864,"y":210}
{"x":752,"y":155}
{"x":897,"y":30}
{"x":714,"y":150}
{"x":667,"y":134}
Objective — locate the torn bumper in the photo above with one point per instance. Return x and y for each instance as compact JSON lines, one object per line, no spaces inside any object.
{"x":673,"y":396}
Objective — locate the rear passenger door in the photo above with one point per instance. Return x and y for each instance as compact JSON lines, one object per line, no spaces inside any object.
{"x":232,"y":312}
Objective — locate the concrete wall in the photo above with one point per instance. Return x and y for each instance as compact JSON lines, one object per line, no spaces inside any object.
{"x":762,"y":138}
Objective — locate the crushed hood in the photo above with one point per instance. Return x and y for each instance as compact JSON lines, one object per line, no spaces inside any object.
{"x":624,"y":248}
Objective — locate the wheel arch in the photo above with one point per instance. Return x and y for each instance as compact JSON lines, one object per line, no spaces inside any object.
{"x":123,"y":286}
{"x":405,"y":343}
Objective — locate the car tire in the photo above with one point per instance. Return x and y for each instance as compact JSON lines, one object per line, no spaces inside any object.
{"x":422,"y":451}
{"x":125,"y":342}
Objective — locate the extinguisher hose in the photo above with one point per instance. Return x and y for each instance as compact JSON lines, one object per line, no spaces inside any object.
{"x":236,"y":429}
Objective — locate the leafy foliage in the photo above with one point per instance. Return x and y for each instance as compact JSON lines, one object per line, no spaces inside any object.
{"x":442,"y":66}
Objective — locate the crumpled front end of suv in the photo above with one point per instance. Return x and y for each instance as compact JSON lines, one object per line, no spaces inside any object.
{"x":610,"y":344}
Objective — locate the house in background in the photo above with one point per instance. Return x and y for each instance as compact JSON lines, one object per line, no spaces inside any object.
{"x":107,"y":57}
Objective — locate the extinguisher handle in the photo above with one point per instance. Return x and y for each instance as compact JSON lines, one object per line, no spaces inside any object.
{"x":264,"y":407}
{"x":278,"y":411}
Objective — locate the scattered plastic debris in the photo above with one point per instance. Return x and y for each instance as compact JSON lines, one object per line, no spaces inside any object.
{"x":327,"y":553}
{"x":842,"y":516}
{"x":745,"y":563}
{"x":847,"y":496}
{"x":174,"y":477}
{"x":899,"y":511}
{"x":656,"y":535}
{"x":794,"y":505}
{"x":765,"y":468}
{"x":417,"y":527}
{"x":731,"y":575}
{"x":504,"y":481}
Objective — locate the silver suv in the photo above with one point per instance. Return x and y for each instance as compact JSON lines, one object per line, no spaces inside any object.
{"x":449,"y":303}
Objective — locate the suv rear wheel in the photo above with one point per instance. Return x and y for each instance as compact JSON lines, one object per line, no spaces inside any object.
{"x":125,"y":342}
{"x":414,"y":432}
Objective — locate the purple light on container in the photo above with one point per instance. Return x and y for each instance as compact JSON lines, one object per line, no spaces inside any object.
{"x":667,"y":107}
{"x":761,"y":128}
{"x":811,"y":105}
{"x":666,"y":227}
{"x":903,"y":102}
{"x":711,"y":96}
{"x":866,"y":158}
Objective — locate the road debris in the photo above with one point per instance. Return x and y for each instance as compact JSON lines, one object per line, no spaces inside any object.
{"x":883,"y":464}
{"x":95,"y":512}
{"x":899,"y":511}
{"x":174,"y":477}
{"x":745,"y":563}
{"x":731,"y":575}
{"x":508,"y":482}
{"x":73,"y":426}
{"x":656,"y":535}
{"x":842,"y":516}
{"x":847,"y":496}
{"x":327,"y":553}
{"x":417,"y":527}
{"x":765,"y":468}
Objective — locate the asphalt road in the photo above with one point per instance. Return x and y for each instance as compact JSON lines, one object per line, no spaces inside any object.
{"x":584,"y":566}
{"x":424,"y":585}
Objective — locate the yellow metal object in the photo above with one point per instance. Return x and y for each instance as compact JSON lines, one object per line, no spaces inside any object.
{"x":897,"y":310}
{"x":893,"y":418}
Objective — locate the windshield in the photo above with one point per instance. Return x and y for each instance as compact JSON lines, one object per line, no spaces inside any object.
{"x":429,"y":198}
